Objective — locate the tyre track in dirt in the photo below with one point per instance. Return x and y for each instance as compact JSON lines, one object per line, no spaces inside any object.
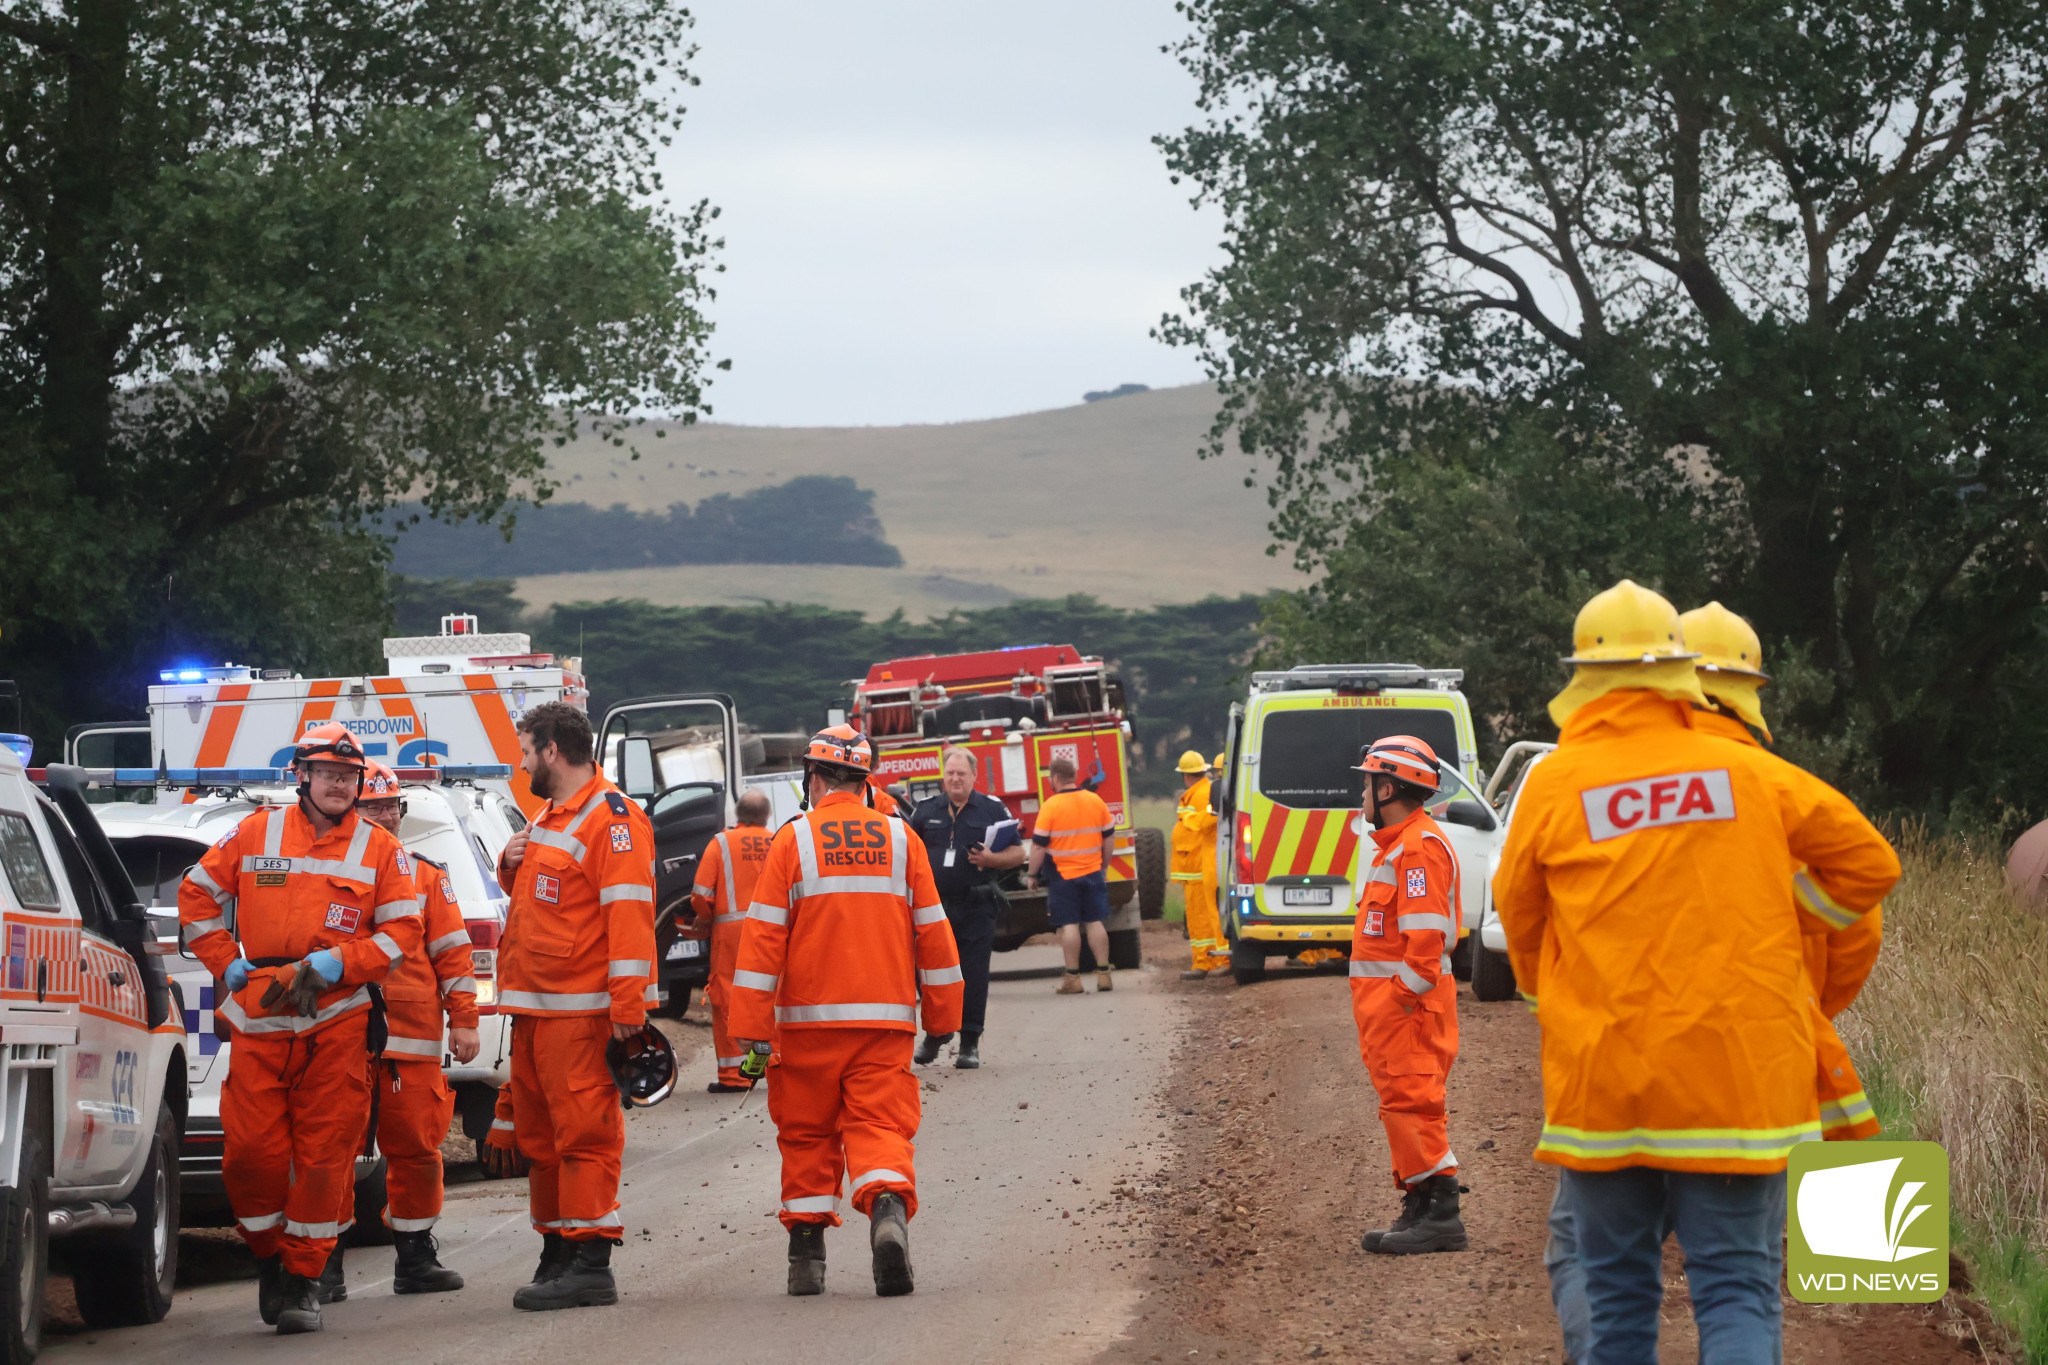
{"x":1279,"y":1164}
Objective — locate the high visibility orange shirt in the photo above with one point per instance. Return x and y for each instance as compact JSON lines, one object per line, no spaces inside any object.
{"x":1840,"y":949}
{"x":579,"y":937}
{"x":1643,"y":893}
{"x":726,"y":873}
{"x":1070,"y":826}
{"x":845,"y":930}
{"x":271,"y":889}
{"x":1407,"y":910}
{"x":436,"y":980}
{"x":1194,"y":834}
{"x":885,"y":800}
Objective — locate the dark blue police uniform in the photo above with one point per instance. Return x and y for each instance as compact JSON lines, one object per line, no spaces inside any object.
{"x":968,"y":893}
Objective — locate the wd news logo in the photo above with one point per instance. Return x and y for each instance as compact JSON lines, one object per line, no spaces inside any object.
{"x":1868,"y":1222}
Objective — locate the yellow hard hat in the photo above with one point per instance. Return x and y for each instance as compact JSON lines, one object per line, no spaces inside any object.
{"x":1191,"y":762}
{"x":1627,"y":624}
{"x":1725,"y":642}
{"x":1218,"y":764}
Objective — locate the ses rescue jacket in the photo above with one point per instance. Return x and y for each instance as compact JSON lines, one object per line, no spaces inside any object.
{"x":1838,"y":960}
{"x":1408,"y":912}
{"x":438,"y":978}
{"x":270,"y":889}
{"x":1643,"y":890}
{"x":579,"y":938}
{"x":726,"y":874}
{"x":845,"y":931}
{"x":1194,"y":834}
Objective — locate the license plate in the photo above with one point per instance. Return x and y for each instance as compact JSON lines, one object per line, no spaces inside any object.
{"x":1308,"y":895}
{"x":684,"y":948}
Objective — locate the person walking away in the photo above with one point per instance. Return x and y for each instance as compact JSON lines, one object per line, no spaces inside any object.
{"x":1730,"y":669}
{"x":726,"y":872}
{"x":955,"y":827}
{"x":413,"y":1103}
{"x":323,"y":906}
{"x":1071,"y":843}
{"x":1650,"y":921}
{"x":1194,"y":867}
{"x":845,"y":945}
{"x":1403,"y":996}
{"x":576,"y":971}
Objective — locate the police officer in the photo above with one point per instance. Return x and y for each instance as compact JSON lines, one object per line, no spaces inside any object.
{"x":955,"y":828}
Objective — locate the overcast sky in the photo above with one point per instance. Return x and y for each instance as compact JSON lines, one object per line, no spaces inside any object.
{"x":939,"y":209}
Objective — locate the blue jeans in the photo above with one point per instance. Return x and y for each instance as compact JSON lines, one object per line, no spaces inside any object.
{"x":1731,"y":1228}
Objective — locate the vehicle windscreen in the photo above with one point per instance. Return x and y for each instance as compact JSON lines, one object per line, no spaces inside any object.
{"x":156,"y":866}
{"x":1306,"y":758}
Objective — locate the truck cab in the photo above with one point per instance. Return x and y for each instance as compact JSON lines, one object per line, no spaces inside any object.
{"x":1291,"y":850}
{"x":92,"y":1070}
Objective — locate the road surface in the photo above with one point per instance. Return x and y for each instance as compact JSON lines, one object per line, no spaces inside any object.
{"x":1020,"y":1247}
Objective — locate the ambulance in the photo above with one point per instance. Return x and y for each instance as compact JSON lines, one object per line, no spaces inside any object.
{"x":1291,"y":851}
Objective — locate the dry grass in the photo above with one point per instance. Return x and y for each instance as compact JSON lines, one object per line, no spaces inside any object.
{"x":1951,"y":1037}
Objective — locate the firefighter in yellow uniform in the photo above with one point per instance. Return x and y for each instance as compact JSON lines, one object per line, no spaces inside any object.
{"x":1650,"y":922}
{"x":1194,"y":867}
{"x":1839,"y":950}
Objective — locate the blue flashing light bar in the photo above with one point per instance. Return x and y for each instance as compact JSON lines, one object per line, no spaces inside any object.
{"x":200,"y":673}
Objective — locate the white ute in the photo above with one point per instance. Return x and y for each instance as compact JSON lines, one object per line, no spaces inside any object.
{"x":456,"y":824}
{"x":92,"y":1072}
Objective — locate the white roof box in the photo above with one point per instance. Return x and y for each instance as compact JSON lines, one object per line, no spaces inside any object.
{"x":457,"y":649}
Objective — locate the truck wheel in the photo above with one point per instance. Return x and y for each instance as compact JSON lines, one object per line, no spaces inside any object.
{"x":1151,"y":857}
{"x":1461,"y":957}
{"x":25,"y":1236}
{"x":678,"y":1003}
{"x":126,"y":1280}
{"x":1247,"y":961}
{"x":371,"y":1197}
{"x":1126,"y":953}
{"x":1492,"y":976}
{"x":476,"y":1104}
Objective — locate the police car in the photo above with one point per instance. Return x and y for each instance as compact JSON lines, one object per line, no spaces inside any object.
{"x":92,"y":1064}
{"x":448,"y":819}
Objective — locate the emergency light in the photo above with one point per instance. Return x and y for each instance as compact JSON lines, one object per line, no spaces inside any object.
{"x":101,"y":778}
{"x":199,"y":673}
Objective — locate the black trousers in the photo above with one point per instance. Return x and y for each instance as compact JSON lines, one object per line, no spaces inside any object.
{"x":972,"y":914}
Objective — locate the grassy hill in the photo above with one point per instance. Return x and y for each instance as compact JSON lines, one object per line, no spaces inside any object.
{"x":1106,"y":498}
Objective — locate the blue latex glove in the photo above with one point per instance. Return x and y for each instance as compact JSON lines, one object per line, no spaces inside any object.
{"x":328,"y":964}
{"x":237,"y":975}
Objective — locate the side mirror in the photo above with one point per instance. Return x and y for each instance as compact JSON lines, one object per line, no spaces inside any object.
{"x":1471,"y":814}
{"x":636,"y":768}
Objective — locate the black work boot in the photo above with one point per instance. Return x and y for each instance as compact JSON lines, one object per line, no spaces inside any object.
{"x":269,"y":1288}
{"x":1438,"y":1228}
{"x":969,"y":1055}
{"x":299,"y":1309}
{"x":807,"y":1259}
{"x":585,"y":1282}
{"x":889,"y":1238}
{"x":928,"y":1050}
{"x":419,"y":1270}
{"x":556,"y":1251}
{"x":333,"y":1279}
{"x":1412,"y":1201}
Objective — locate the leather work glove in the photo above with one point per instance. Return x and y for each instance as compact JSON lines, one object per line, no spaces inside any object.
{"x":502,"y":1163}
{"x":237,"y":975}
{"x":307,"y":987}
{"x":274,"y":992}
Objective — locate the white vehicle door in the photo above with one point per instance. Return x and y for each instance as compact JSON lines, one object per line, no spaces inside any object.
{"x":1474,"y":832}
{"x":101,"y":1127}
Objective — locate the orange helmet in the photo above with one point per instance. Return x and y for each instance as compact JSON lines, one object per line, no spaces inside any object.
{"x":379,"y":783}
{"x":841,"y":746}
{"x":329,"y":743}
{"x":1402,"y":757}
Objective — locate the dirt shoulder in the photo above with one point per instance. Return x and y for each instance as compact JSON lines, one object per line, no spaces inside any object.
{"x":1279,"y":1164}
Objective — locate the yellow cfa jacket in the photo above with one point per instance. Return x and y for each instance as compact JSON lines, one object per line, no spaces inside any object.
{"x":1194,"y":834}
{"x":1644,"y":896}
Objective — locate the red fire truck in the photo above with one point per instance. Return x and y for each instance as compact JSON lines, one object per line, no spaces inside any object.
{"x":1018,"y":709}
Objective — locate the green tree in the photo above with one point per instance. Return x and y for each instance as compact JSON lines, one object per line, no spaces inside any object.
{"x":1786,"y":255}
{"x":268,"y":266}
